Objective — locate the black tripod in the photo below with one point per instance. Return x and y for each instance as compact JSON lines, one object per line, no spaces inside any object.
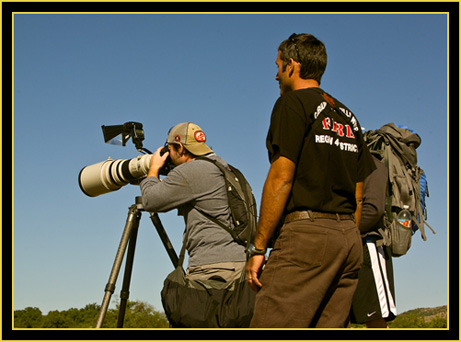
{"x":130,"y":235}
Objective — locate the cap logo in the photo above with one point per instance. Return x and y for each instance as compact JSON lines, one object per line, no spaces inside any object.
{"x":200,"y":136}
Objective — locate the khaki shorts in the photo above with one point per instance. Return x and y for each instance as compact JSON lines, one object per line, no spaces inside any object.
{"x":223,"y":271}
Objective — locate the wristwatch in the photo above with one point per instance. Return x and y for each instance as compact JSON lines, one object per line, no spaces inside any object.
{"x":256,"y":251}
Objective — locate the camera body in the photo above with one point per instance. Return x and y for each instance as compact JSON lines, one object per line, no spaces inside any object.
{"x":168,"y":163}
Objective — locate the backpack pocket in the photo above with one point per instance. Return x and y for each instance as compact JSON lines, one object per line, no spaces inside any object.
{"x":400,"y":239}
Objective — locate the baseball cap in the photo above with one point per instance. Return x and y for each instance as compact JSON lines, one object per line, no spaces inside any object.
{"x":191,"y":137}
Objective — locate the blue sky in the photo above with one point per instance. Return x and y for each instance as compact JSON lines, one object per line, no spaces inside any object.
{"x":76,"y":72}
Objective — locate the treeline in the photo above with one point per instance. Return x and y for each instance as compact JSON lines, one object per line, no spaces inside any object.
{"x":422,"y":318}
{"x":143,"y":315}
{"x":137,"y":315}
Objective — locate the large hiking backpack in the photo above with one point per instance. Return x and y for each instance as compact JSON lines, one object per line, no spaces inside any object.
{"x":407,"y":185}
{"x":242,"y":204}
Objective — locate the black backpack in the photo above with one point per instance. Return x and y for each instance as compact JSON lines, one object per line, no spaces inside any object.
{"x":241,"y":202}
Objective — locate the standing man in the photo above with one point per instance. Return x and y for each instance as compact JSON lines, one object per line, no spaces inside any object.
{"x":318,"y":164}
{"x":373,"y":302}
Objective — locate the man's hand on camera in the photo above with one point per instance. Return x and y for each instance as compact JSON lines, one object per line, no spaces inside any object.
{"x":156,"y":163}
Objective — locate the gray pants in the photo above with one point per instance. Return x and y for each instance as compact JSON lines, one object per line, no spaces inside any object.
{"x":223,"y":271}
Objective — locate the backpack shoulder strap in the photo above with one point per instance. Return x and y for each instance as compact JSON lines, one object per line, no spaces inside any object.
{"x":208,"y":216}
{"x":237,"y":180}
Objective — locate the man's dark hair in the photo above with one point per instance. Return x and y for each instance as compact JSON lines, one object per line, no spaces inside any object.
{"x":176,"y":148}
{"x":307,"y":50}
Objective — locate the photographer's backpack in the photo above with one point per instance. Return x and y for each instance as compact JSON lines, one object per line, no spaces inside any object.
{"x":212,"y":303}
{"x":241,"y":202}
{"x":407,"y":186}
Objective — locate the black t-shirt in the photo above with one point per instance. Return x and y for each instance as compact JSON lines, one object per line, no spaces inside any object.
{"x":327,"y":147}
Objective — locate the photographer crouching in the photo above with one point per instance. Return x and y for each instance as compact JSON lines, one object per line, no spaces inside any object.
{"x":196,"y":188}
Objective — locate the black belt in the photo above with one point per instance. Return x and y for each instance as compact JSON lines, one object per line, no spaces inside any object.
{"x":308,"y":214}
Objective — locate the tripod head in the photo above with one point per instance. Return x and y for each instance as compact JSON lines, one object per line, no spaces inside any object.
{"x":120,"y":134}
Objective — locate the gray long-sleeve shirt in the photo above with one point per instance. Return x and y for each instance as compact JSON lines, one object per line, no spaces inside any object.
{"x":196,"y":184}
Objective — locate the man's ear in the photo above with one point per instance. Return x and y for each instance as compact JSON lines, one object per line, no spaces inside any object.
{"x":291,"y":67}
{"x":182,"y":149}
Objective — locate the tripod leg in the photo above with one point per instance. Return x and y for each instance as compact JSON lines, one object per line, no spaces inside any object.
{"x":125,"y":293}
{"x":165,"y":239}
{"x":132,"y":221}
